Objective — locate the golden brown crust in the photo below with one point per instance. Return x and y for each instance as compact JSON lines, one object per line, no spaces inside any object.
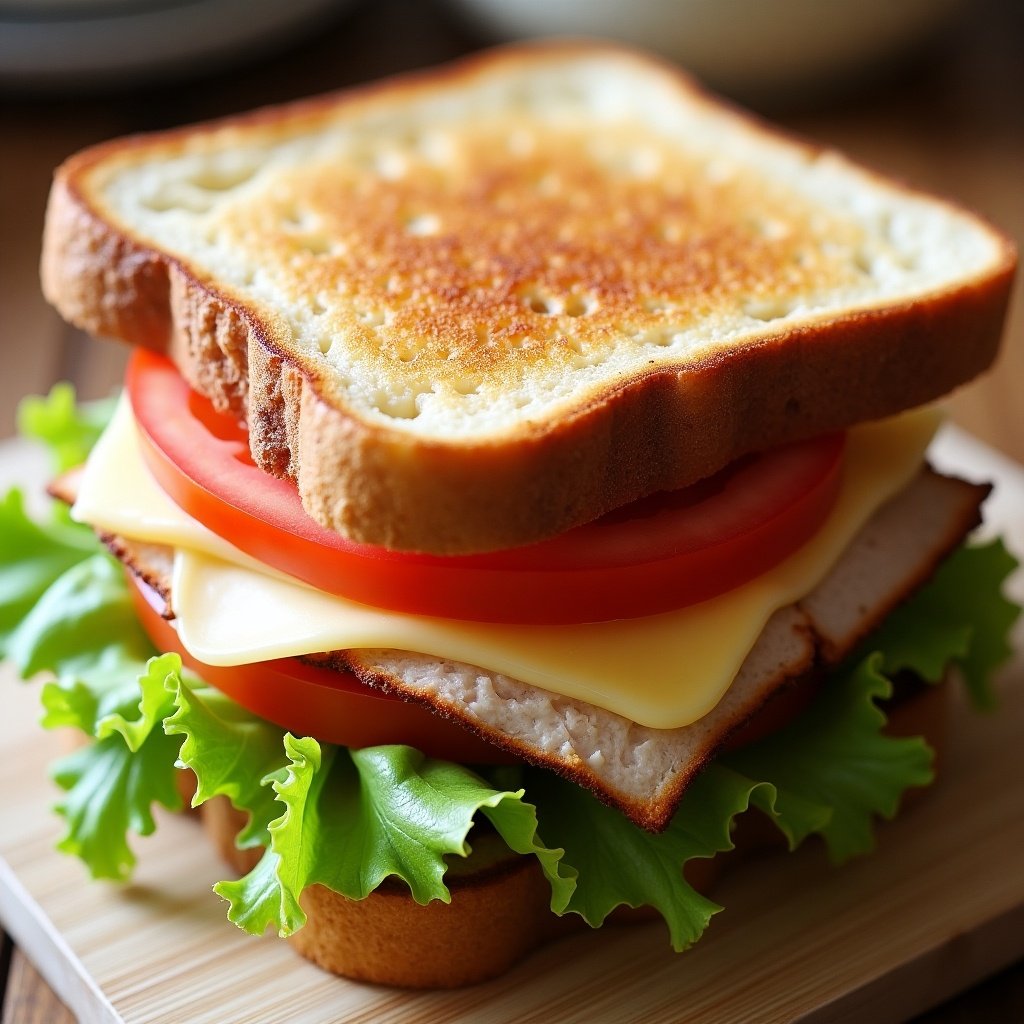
{"x":492,"y":923}
{"x":383,"y":485}
{"x":100,"y":279}
{"x":662,"y":431}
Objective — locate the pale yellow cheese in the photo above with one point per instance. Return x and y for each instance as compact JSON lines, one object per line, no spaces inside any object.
{"x":663,"y":671}
{"x":117,"y":494}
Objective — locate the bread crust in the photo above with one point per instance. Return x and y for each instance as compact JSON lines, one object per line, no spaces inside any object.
{"x":658,"y":430}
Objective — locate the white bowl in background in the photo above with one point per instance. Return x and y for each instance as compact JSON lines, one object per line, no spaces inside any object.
{"x":741,"y":46}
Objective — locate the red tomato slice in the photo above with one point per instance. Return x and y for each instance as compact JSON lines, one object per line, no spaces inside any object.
{"x":658,"y":554}
{"x":333,"y":707}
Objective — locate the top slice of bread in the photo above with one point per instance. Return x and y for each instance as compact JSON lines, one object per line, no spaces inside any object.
{"x":471,"y":308}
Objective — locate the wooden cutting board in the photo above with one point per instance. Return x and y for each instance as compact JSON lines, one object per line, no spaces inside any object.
{"x":940,"y":905}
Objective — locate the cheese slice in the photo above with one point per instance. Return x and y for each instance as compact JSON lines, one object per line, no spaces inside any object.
{"x":662,"y":671}
{"x":117,"y":494}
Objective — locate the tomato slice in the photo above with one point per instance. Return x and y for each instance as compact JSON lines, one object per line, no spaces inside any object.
{"x":660,"y":553}
{"x":333,"y":707}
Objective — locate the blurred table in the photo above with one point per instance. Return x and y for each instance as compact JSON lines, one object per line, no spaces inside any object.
{"x":950,"y":121}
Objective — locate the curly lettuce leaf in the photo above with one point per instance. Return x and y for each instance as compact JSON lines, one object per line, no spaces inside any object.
{"x":131,"y":764}
{"x":836,"y":756}
{"x":354,"y":818}
{"x":231,"y":752}
{"x":829,"y":773}
{"x":68,"y":428}
{"x":136,"y":717}
{"x":619,"y":864}
{"x":81,"y":629}
{"x":345,"y":819}
{"x":962,"y":616}
{"x":110,"y":792}
{"x":113,"y":783}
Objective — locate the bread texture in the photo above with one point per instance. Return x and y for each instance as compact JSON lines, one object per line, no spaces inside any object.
{"x":499,"y":912}
{"x":471,"y":308}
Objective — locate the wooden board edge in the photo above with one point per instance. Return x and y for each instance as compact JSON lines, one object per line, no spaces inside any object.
{"x":35,"y":934}
{"x":952,"y":966}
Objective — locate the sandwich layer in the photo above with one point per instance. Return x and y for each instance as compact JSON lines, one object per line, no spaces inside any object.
{"x":499,"y":913}
{"x":230,"y":610}
{"x":642,"y":770}
{"x":472,"y":309}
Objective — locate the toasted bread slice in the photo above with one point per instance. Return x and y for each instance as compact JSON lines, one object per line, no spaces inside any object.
{"x":643,"y":771}
{"x":472,"y":308}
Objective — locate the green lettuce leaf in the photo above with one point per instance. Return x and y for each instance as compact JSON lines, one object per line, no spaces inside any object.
{"x":80,"y":628}
{"x":258,"y":900}
{"x":134,"y":718}
{"x":69,"y":429}
{"x":110,"y":792}
{"x":32,"y":557}
{"x":619,"y":864}
{"x":962,"y":616}
{"x":346,"y":819}
{"x":836,"y":756}
{"x":354,"y":818}
{"x":231,"y":752}
{"x":84,"y":630}
{"x":830,"y":773}
{"x":65,"y":610}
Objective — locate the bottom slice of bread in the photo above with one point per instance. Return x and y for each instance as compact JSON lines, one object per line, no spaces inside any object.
{"x":499,"y":911}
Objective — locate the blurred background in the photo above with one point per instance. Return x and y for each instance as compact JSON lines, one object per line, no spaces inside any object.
{"x":931,"y":91}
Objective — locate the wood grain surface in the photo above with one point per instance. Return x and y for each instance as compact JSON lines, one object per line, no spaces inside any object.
{"x":951,"y":121}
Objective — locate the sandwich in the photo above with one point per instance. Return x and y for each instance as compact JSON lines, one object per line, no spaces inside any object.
{"x":520,"y":477}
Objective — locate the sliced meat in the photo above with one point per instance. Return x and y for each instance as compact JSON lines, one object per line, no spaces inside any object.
{"x":643,"y":771}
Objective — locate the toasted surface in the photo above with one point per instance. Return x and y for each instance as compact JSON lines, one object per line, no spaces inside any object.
{"x":643,"y":771}
{"x":472,"y":308}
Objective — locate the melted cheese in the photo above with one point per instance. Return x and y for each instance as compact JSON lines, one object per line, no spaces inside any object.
{"x":662,"y":671}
